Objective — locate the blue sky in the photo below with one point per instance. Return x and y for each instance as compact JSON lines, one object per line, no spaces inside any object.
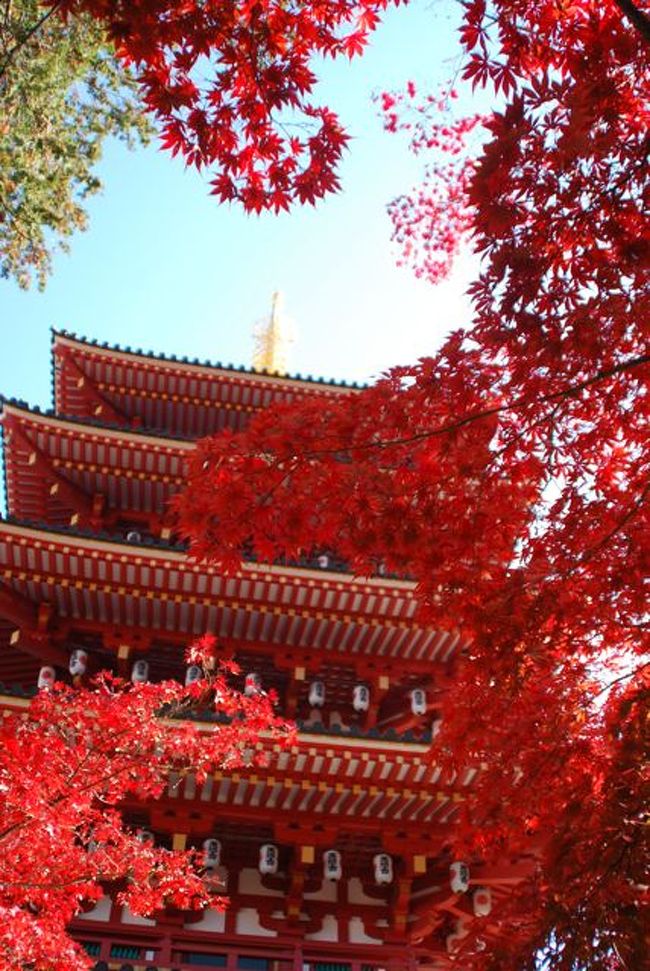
{"x":163,"y":267}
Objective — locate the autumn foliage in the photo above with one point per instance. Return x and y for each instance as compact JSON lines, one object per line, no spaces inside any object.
{"x":68,"y":766}
{"x":230,"y":84}
{"x":508,"y":473}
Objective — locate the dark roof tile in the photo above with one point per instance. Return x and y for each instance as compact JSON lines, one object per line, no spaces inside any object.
{"x":217,"y":365}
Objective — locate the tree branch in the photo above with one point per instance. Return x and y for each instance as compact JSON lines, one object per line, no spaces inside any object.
{"x":622,"y":677}
{"x":567,"y":392}
{"x":591,"y":551}
{"x":636,"y":17}
{"x":11,"y":53}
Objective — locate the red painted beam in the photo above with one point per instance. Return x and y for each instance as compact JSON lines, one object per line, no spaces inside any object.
{"x":99,"y":404}
{"x":75,"y":497}
{"x":17,"y":608}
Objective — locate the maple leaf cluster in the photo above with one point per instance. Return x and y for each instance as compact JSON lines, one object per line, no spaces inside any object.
{"x":552,"y":186}
{"x":70,"y":764}
{"x":431,"y":222}
{"x":230,"y":85}
{"x":508,"y":473}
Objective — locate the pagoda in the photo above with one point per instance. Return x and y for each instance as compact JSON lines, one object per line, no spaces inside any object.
{"x":334,"y":855}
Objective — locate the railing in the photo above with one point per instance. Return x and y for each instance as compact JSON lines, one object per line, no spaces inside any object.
{"x":244,"y":962}
{"x":230,"y":959}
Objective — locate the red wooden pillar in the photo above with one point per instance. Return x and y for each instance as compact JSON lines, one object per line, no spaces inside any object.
{"x":164,"y":955}
{"x":297,"y":957}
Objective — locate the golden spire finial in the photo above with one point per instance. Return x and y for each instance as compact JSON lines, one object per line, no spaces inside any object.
{"x":272,"y":337}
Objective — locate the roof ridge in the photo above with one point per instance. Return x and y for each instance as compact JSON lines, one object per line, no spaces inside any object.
{"x":153,"y":542}
{"x":101,"y":535}
{"x":195,"y":362}
{"x":23,"y":405}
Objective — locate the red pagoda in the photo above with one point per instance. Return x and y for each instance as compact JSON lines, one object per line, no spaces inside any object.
{"x":335,"y":854}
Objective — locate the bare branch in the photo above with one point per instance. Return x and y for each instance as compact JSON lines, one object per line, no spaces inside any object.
{"x":11,"y":53}
{"x":636,"y":17}
{"x":567,"y":392}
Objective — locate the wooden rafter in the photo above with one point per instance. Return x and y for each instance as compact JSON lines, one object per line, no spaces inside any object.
{"x":72,"y":494}
{"x":100,"y":405}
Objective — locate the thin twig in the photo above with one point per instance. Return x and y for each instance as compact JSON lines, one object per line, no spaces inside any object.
{"x":622,"y":677}
{"x":567,"y":392}
{"x":28,"y":36}
{"x":636,"y":17}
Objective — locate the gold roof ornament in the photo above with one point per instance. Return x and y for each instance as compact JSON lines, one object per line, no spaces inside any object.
{"x":272,"y":337}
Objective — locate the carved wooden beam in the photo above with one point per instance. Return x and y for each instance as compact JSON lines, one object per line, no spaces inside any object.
{"x":102,"y":408}
{"x":70,"y":492}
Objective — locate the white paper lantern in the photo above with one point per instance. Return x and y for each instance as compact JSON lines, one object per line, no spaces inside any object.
{"x":418,"y":701}
{"x":140,"y":672}
{"x":332,"y":865}
{"x":78,"y":662}
{"x":252,"y":684}
{"x":269,"y":858}
{"x":317,"y":694}
{"x":211,"y":854}
{"x":361,"y":697}
{"x":482,"y":901}
{"x":192,"y":675}
{"x":459,"y":877}
{"x":46,"y":678}
{"x":383,"y":864}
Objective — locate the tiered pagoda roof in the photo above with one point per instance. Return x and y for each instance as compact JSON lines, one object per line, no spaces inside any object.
{"x":88,"y":559}
{"x":186,"y":398}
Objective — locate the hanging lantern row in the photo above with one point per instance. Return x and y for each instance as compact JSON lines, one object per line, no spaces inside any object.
{"x":361,"y":698}
{"x":78,"y":665}
{"x":211,"y":856}
{"x":269,"y":859}
{"x":332,"y":867}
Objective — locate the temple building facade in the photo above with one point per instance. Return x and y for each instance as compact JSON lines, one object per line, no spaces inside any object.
{"x":334,"y":855}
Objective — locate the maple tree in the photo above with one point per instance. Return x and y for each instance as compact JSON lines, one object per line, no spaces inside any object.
{"x":508,"y":474}
{"x":68,"y":764}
